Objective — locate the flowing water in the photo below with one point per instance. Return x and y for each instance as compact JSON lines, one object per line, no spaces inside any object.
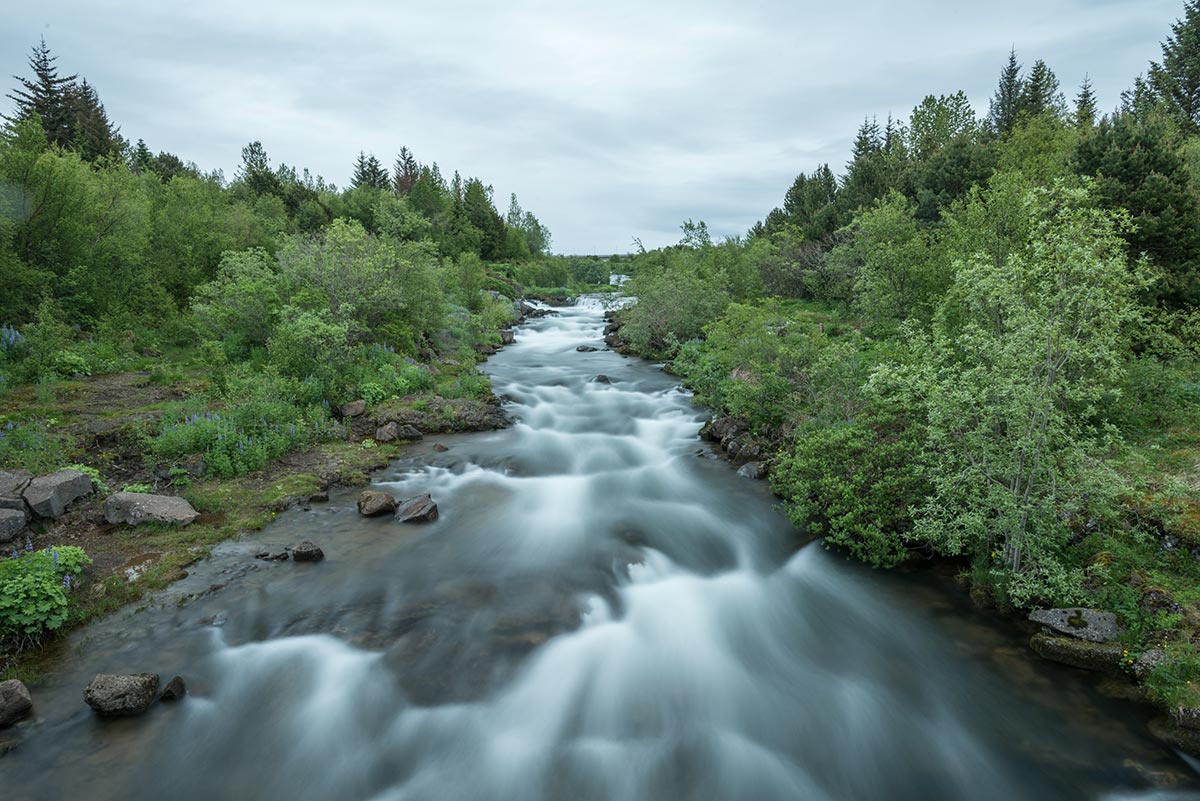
{"x":603,"y":611}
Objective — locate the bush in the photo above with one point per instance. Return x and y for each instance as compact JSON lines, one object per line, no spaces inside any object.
{"x":857,"y":482}
{"x":243,"y":438}
{"x":33,"y":445}
{"x":33,"y":590}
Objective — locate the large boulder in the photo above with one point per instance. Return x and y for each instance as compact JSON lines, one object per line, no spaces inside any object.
{"x":1092,"y":625}
{"x":353,"y":408}
{"x":116,"y":696}
{"x":49,"y":496}
{"x":1104,"y":657}
{"x":374,"y":502}
{"x":420,"y":509}
{"x":134,"y":508}
{"x":12,"y":523}
{"x":15,"y":702}
{"x":755,"y":470}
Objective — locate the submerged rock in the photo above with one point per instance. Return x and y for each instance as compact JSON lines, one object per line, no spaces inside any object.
{"x":307,"y":552}
{"x":602,"y":379}
{"x":373,"y":502}
{"x":15,"y":702}
{"x":49,"y":496}
{"x":135,"y":508}
{"x":586,"y":349}
{"x":1104,"y":657}
{"x":174,"y":691}
{"x":420,"y":509}
{"x":755,"y":470}
{"x":121,"y":695}
{"x":1092,"y":625}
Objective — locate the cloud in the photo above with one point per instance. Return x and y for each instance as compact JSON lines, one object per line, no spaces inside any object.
{"x":610,"y":121}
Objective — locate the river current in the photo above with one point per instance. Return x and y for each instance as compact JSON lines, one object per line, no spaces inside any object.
{"x":604,"y":611}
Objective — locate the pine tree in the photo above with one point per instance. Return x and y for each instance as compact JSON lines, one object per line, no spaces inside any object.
{"x":1085,"y":105}
{"x":1006,"y":103}
{"x":46,"y":95}
{"x":368,"y":171}
{"x":140,"y":159}
{"x":92,"y":133}
{"x":406,"y":172}
{"x":1040,"y":93}
{"x":1177,"y":78}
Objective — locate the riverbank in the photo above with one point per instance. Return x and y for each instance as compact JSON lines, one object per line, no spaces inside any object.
{"x":105,"y":424}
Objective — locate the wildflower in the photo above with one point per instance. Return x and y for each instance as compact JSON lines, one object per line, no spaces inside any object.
{"x":54,"y":559}
{"x":67,"y":582}
{"x":28,"y":544}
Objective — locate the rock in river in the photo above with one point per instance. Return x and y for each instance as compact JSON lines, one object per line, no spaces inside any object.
{"x":115,"y":695}
{"x":1092,"y":625}
{"x":307,"y":552}
{"x":174,"y":691}
{"x":374,"y":502}
{"x":15,"y":702}
{"x":420,"y":509}
{"x":1100,"y":656}
{"x":135,"y":508}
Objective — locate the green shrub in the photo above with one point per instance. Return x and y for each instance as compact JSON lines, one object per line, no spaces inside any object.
{"x":34,"y":445}
{"x":34,"y":586}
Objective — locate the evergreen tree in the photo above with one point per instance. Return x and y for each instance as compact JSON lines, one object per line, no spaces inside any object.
{"x":1177,"y":79}
{"x":1040,"y":93}
{"x":1085,"y":105}
{"x":256,"y":172}
{"x":368,"y":171}
{"x":406,"y":172}
{"x":867,"y":172}
{"x":139,"y":160}
{"x":1006,"y":103}
{"x":47,"y":95}
{"x":92,"y":133}
{"x":810,"y":205}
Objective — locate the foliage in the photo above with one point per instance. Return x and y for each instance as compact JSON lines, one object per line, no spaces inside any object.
{"x":34,"y":589}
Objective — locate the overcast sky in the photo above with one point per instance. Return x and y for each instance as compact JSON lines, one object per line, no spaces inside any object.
{"x":610,"y":119}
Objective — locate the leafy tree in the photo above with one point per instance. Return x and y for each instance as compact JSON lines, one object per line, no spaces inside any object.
{"x":1177,"y":78}
{"x":1022,"y":353}
{"x":938,"y":121}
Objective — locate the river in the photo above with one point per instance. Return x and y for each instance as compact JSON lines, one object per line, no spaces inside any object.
{"x":605,"y":611}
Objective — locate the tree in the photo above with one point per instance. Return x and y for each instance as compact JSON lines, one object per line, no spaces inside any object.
{"x":92,"y":134}
{"x":1177,"y":78}
{"x":1137,"y":166}
{"x":1040,"y":94}
{"x":937,"y":121}
{"x":406,"y":172}
{"x":1021,"y":355}
{"x":1006,"y":102}
{"x":1085,"y":106}
{"x":810,"y":205}
{"x":45,"y":95}
{"x":866,"y":174}
{"x":139,"y":160}
{"x":256,"y":172}
{"x":368,"y":171}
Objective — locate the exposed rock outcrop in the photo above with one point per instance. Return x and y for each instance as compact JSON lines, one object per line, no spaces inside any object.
{"x":373,"y":502}
{"x":1104,"y":657}
{"x":1092,"y":625}
{"x":49,"y":496}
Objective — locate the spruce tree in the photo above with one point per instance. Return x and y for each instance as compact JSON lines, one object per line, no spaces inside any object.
{"x":1040,"y":93}
{"x":140,"y":159}
{"x":92,"y":133}
{"x":406,"y":172}
{"x":46,"y":95}
{"x":1006,"y":103}
{"x":1085,"y":105}
{"x":1177,"y":78}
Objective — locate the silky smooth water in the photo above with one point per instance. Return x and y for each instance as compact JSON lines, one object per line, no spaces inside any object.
{"x":603,"y":611}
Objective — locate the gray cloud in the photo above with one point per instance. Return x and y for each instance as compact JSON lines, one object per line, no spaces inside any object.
{"x":609,"y":121}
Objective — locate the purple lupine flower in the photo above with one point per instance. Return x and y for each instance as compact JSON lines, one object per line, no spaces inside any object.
{"x":54,"y":559}
{"x":67,"y":582}
{"x":28,"y":544}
